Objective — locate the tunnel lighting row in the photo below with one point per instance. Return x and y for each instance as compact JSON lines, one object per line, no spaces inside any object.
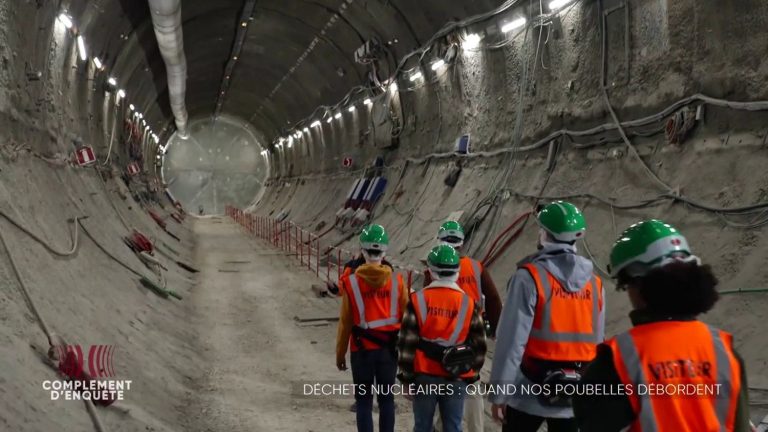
{"x":470,"y":41}
{"x":82,"y":51}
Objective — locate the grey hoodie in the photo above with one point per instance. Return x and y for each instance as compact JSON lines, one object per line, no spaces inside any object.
{"x":573,"y":271}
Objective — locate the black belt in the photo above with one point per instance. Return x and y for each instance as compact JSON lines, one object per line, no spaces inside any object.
{"x":384,"y":339}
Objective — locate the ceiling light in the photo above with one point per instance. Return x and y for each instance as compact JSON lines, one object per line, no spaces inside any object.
{"x":81,"y":48}
{"x":97,"y":63}
{"x":121,"y":93}
{"x":112,"y":81}
{"x":244,"y":24}
{"x":416,"y":76}
{"x":438,"y":64}
{"x":337,"y":116}
{"x":330,"y":119}
{"x":508,"y":27}
{"x":315,"y":123}
{"x":557,"y":4}
{"x":306,"y":130}
{"x":131,"y":107}
{"x":298,"y":135}
{"x":234,"y":58}
{"x":141,"y":116}
{"x":351,"y":109}
{"x":472,"y":41}
{"x":66,"y":20}
{"x":393,"y":86}
{"x":368,"y":101}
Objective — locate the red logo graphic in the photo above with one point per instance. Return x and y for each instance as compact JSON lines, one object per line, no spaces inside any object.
{"x":675,"y":242}
{"x":347,"y":162}
{"x":72,"y":361}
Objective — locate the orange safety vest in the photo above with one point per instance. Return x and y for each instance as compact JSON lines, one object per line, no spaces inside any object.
{"x":374,"y":308}
{"x":444,"y":315}
{"x":658,"y":354}
{"x":470,"y":272}
{"x":565,"y":324}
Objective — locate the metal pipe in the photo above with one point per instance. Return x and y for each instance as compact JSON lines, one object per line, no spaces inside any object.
{"x":166,"y":19}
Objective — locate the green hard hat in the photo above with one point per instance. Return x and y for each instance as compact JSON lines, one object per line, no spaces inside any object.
{"x":563,"y":221}
{"x":443,"y":258}
{"x":374,"y":237}
{"x":451,"y":232}
{"x":646,"y":245}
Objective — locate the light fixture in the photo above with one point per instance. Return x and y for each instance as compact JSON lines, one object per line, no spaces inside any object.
{"x":66,"y":20}
{"x":141,"y":116}
{"x":508,"y":27}
{"x":244,"y":24}
{"x":120,"y":94}
{"x":143,"y":122}
{"x":368,"y":102}
{"x":472,"y":41}
{"x":315,"y":123}
{"x":97,"y":62}
{"x":81,"y":48}
{"x":131,"y":107}
{"x":416,"y":76}
{"x":112,"y":81}
{"x":337,"y":116}
{"x":438,"y":64}
{"x":234,"y":58}
{"x":351,"y":109}
{"x":557,"y":4}
{"x":330,"y":119}
{"x":290,"y":142}
{"x":297,"y":135}
{"x":393,"y":86}
{"x":306,"y":130}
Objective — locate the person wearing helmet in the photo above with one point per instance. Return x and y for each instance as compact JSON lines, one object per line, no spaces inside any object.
{"x":373,"y":300}
{"x":441,"y":344}
{"x":550,"y":325}
{"x":478,"y":284}
{"x":668,"y":288}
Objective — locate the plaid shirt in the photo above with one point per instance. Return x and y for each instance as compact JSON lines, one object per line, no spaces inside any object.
{"x":409,"y":338}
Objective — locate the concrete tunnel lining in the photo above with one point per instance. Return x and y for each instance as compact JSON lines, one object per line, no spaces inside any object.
{"x":192,"y":360}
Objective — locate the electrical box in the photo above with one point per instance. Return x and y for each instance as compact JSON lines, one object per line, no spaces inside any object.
{"x":462,"y":145}
{"x":370,"y":51}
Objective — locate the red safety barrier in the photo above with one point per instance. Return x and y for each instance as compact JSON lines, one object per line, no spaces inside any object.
{"x":289,"y":237}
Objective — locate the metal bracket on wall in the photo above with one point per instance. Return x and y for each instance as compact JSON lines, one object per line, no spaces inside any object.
{"x":627,"y":39}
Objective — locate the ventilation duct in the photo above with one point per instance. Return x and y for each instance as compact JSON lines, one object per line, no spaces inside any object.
{"x":166,"y":19}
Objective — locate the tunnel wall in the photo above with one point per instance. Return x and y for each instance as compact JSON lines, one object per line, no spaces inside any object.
{"x":678,"y":49}
{"x":86,"y":298}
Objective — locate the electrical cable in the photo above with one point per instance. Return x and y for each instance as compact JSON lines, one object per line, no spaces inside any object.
{"x":42,"y":242}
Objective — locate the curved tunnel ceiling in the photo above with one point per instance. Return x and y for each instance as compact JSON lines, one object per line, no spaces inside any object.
{"x":279,"y":32}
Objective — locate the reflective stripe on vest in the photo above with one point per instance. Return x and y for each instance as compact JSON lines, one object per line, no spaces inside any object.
{"x":393,"y":319}
{"x":646,"y":416}
{"x":462,"y":317}
{"x":545,"y":333}
{"x":477,"y":273}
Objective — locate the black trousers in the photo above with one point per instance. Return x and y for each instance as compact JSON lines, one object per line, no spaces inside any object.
{"x":518,"y":421}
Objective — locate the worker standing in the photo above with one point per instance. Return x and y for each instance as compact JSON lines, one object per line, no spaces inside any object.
{"x":372,"y":306}
{"x":668,"y":288}
{"x":550,"y":326}
{"x":478,"y":284}
{"x":441,"y":345}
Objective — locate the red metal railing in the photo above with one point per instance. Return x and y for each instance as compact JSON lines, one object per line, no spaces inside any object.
{"x":300,"y":244}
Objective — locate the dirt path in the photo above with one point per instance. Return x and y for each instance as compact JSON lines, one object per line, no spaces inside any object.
{"x":258,"y":357}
